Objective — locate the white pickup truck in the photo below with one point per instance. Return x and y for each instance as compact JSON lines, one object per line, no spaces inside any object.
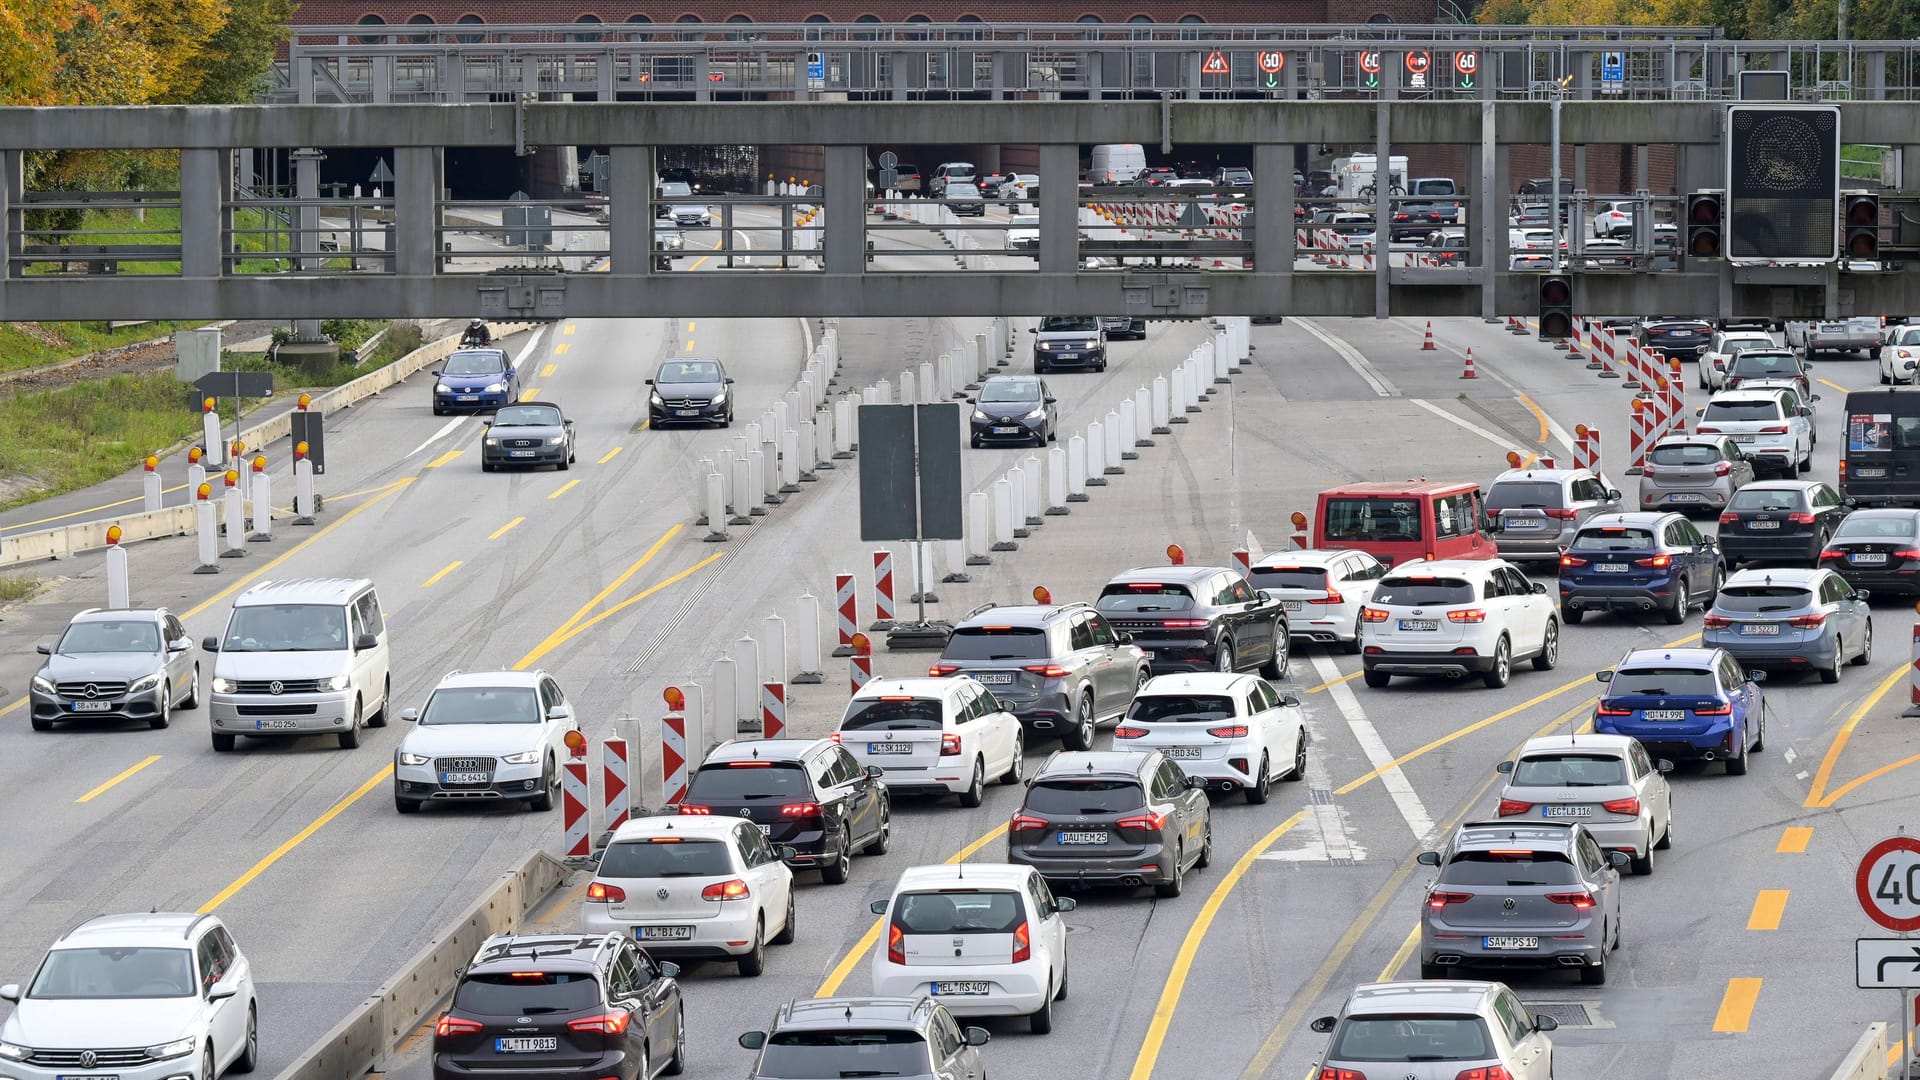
{"x":1857,"y":334}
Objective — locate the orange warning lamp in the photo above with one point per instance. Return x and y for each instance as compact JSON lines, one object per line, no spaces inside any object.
{"x":233,"y":477}
{"x":204,"y":493}
{"x":1176,"y":555}
{"x":207,"y":405}
{"x":152,"y":463}
{"x":260,"y":463}
{"x":1639,"y":404}
{"x":1513,"y":459}
{"x":1041,"y":595}
{"x":113,"y":535}
{"x":239,"y":449}
{"x":674,"y":698}
{"x":1299,"y":520}
{"x":194,"y":454}
{"x":1582,"y":430}
{"x":305,"y":400}
{"x":576,"y":742}
{"x":299,"y":450}
{"x":862,"y":645}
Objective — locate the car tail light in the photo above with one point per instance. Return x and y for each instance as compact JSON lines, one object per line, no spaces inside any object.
{"x":611,"y":1023}
{"x":1129,"y":732}
{"x":834,"y":736}
{"x":1658,"y":562}
{"x":1717,"y":622}
{"x":1646,"y":471}
{"x":1511,"y":807}
{"x":950,"y":744}
{"x":456,"y":1025}
{"x":1724,"y":468}
{"x":1022,"y":943}
{"x":1333,"y":597}
{"x":1706,"y":429}
{"x":1572,"y":560}
{"x":1026,"y":823}
{"x":1804,"y":621}
{"x":1439,"y":900}
{"x":800,"y":809}
{"x":1055,"y":671}
{"x":1331,"y":1073}
{"x":1151,"y":822}
{"x":1231,"y":731}
{"x":1720,"y":708}
{"x":1604,"y":709}
{"x":1907,"y":553}
{"x":600,"y":893}
{"x":940,"y":671}
{"x":1800,"y":517}
{"x":1485,"y":1072}
{"x":1565,"y":513}
{"x":1467,"y":615}
{"x":1776,"y":429}
{"x":1831,"y":553}
{"x":896,"y":945}
{"x":1373,"y":614}
{"x":1579,"y":901}
{"x":734,"y":889}
{"x":1629,"y":807}
{"x":1180,"y":624}
{"x":691,"y":810}
{"x":1728,"y":517}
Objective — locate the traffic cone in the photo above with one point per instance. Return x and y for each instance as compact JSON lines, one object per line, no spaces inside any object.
{"x":1468,"y":373}
{"x":1426,"y":344}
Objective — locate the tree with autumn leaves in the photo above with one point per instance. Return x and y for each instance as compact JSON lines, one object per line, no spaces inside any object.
{"x":1772,"y":20}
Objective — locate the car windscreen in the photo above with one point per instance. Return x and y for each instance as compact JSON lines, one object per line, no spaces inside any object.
{"x":1734,"y":344}
{"x":674,"y":190}
{"x":118,"y":636}
{"x":1289,"y":577}
{"x":958,"y":911}
{"x":1026,"y":221}
{"x":1143,"y":596}
{"x":1867,"y":526}
{"x":1560,"y":768}
{"x":286,"y":628}
{"x":1423,"y":591}
{"x":1759,"y":498}
{"x":1508,"y":867}
{"x":1761,"y":599}
{"x":482,"y":705}
{"x":1612,"y":538}
{"x":688,"y":371}
{"x":1677,"y":454}
{"x":1408,"y":1037}
{"x":1183,"y":708}
{"x":996,"y":643}
{"x":902,"y":712}
{"x":526,"y":993}
{"x":76,"y":974}
{"x":665,"y":856}
{"x":1432,"y":187}
{"x":1671,"y":681}
{"x":1089,"y":796}
{"x":1760,"y":365}
{"x":1015,"y":390}
{"x":1738,"y":411}
{"x":1525,"y":495}
{"x":474,"y":363}
{"x":749,"y":780}
{"x":1053,"y":324}
{"x":829,"y":1055}
{"x":527,"y":416}
{"x":1361,"y":518}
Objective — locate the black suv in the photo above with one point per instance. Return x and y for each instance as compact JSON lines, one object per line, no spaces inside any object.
{"x":808,"y":794}
{"x":1199,"y":618}
{"x":1058,"y":667}
{"x":910,"y":1038}
{"x":1111,"y":817}
{"x":564,"y":1007}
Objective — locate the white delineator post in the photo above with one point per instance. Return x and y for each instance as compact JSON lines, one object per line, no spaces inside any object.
{"x":236,"y":517}
{"x":954,"y":554}
{"x":773,"y":648}
{"x":208,"y":528}
{"x":741,"y":483}
{"x":119,"y":592}
{"x":746,"y":684}
{"x":770,"y":476}
{"x":843,"y":429}
{"x":790,"y":459}
{"x":196,"y":472}
{"x":1017,"y":502}
{"x":724,"y":706}
{"x":920,"y":560}
{"x":1096,"y":454}
{"x":150,"y":485}
{"x":262,"y":502}
{"x":303,"y":508}
{"x":1115,"y":447}
{"x":1128,"y":428}
{"x":1076,"y":469}
{"x":716,"y":492}
{"x":1003,"y":516}
{"x":979,"y":528}
{"x":807,"y":626}
{"x":1057,"y":482}
{"x":1034,"y":504}
{"x":808,"y":459}
{"x":1142,"y":417}
{"x":1198,"y":387}
{"x":210,"y":431}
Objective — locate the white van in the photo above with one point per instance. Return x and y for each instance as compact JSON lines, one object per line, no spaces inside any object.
{"x":1116,"y":163}
{"x":306,"y":657}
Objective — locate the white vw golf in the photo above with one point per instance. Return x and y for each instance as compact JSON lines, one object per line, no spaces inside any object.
{"x":1235,"y":731}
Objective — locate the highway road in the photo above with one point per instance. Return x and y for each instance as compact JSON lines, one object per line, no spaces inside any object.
{"x":1736,"y":949}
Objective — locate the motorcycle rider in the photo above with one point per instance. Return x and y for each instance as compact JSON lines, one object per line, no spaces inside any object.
{"x":477,"y":333}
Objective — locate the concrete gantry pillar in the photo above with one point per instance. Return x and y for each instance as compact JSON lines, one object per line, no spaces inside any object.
{"x":1059,"y":208}
{"x":206,"y":181}
{"x":846,"y":212}
{"x":1273,"y":239}
{"x":418,"y":175}
{"x":12,"y":190}
{"x":630,"y":209}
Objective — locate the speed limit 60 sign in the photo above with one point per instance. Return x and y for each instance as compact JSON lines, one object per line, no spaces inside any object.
{"x":1888,"y":883}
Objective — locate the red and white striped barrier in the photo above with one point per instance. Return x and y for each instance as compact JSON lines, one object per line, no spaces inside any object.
{"x":615,"y":798}
{"x":773,"y":710}
{"x":1245,"y":558}
{"x":1586,"y":448}
{"x":573,"y":808}
{"x":1913,"y":674}
{"x":846,"y":605}
{"x":1639,"y":428}
{"x":860,"y":664}
{"x":882,"y":591}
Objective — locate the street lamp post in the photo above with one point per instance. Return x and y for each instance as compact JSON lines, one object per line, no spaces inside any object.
{"x":1559,"y":92}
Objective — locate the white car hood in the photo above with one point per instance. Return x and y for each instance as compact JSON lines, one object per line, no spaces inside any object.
{"x":485,"y":740}
{"x":283,"y":665}
{"x":96,"y":1023}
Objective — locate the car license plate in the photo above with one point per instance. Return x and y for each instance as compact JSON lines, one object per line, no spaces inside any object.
{"x":1506,"y":942}
{"x":273,"y":725}
{"x":686,"y":412}
{"x":1743,"y":438}
{"x":663,"y":933}
{"x":1870,"y":472}
{"x":1762,"y":629}
{"x":1763,"y":524}
{"x":1665,"y":714}
{"x":469,"y":397}
{"x":1294,"y":605}
{"x":1083,"y":837}
{"x":1524,"y":523}
{"x":526,"y":1046}
{"x":1686,"y":496}
{"x":1868,"y":557}
{"x":1067,"y":355}
{"x":1188,"y":752}
{"x":1419,"y":624}
{"x":766,"y":830}
{"x":1566,"y":811}
{"x":520,"y":453}
{"x":1611,"y":567}
{"x":88,"y":1076}
{"x":995,"y":678}
{"x":889,"y":748}
{"x":965,"y":986}
{"x":93,"y":706}
{"x":465,"y":778}
{"x":1007,"y":430}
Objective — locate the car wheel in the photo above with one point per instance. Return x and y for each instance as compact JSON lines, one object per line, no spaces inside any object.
{"x":1549,"y":647}
{"x":1737,"y":764}
{"x":1299,"y":770}
{"x":486,"y":466}
{"x":754,"y":961}
{"x":1040,"y":1021}
{"x":563,"y":465}
{"x":973,"y":796}
{"x":221,"y":743}
{"x":1177,"y":884}
{"x":1573,"y":615}
{"x":678,"y":1064}
{"x":379,"y":717}
{"x":837,"y":871}
{"x":1760,"y":734}
{"x":1806,"y":463}
{"x":350,"y":738}
{"x":193,"y":691}
{"x":1719,"y":579}
{"x":1866,"y":648}
{"x":1016,"y":770}
{"x":1206,"y":849}
{"x":787,"y":928}
{"x":1831,"y":675}
{"x":1353,"y":646}
{"x":1666,"y":835}
{"x":1081,"y":736}
{"x":1595,"y":974}
{"x":884,"y":838}
{"x":976,"y":444}
{"x":1223,"y":656}
{"x":1502,"y":669}
{"x":1262,"y":787}
{"x":249,"y":1057}
{"x":1676,"y":612}
{"x":1642,"y":865}
{"x":543,"y":802}
{"x":207,"y":1069}
{"x":1275,"y":668}
{"x":165,"y":716}
{"x":1376,"y":679}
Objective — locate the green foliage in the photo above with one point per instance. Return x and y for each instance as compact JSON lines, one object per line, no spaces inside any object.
{"x":15,"y":588}
{"x":350,"y":334}
{"x":26,"y":345}
{"x":72,"y":438}
{"x":235,"y":61}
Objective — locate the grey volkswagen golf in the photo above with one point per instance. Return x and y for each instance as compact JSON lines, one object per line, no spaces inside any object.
{"x":1106,"y":817}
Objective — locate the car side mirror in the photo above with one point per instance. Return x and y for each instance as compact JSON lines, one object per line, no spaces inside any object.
{"x":1198,"y":783}
{"x":878,"y":907}
{"x":649,"y":382}
{"x":1603,"y":676}
{"x":1049,"y":401}
{"x":1123,"y":637}
{"x":436,"y":373}
{"x":560,"y":712}
{"x":729,"y":381}
{"x":1663,"y":766}
{"x":211,"y":644}
{"x":179,"y":644}
{"x":875,"y":772}
{"x":1539,"y":588}
{"x":1032,"y":330}
{"x":1289,"y":701}
{"x":1756,"y":676}
{"x":1619,"y":859}
{"x":365,"y":642}
{"x":486,"y":423}
{"x":1505,"y":768}
{"x":978,"y":1036}
{"x":222,"y":990}
{"x":1545,"y":1023}
{"x":45,"y":648}
{"x":1815,"y":397}
{"x":1322,"y":1025}
{"x":1862,"y":594}
{"x":753,"y":1040}
{"x":1428,"y":858}
{"x":1064,"y":904}
{"x":669,"y":969}
{"x":410,"y":715}
{"x":1613,"y":494}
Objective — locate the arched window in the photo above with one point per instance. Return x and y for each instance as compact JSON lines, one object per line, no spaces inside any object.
{"x":372,"y":39}
{"x":813,"y":20}
{"x":420,"y":20}
{"x":470,"y":20}
{"x":1141,"y":19}
{"x":739,"y":19}
{"x":1380,"y":20}
{"x":586,"y":20}
{"x":970,"y":18}
{"x":1192,"y":19}
{"x":638,"y":35}
{"x":1090,"y":18}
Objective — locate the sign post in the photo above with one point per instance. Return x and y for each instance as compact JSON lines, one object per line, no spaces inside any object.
{"x":1887,"y":884}
{"x":1370,"y":65}
{"x":1271,"y":62}
{"x":912,"y":489}
{"x":1613,"y":72}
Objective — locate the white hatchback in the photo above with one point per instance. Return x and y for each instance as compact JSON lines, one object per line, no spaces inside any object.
{"x":1900,"y":354}
{"x":699,"y":887}
{"x":1720,"y":352}
{"x":1606,"y":782}
{"x":946,"y":735}
{"x":983,"y":939}
{"x":1235,"y":731}
{"x":1322,"y":590}
{"x":1456,"y":617}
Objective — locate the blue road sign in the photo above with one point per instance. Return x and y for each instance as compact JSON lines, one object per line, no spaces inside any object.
{"x":816,"y":65}
{"x":1613,"y":67}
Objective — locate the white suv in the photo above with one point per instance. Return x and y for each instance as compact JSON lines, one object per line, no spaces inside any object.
{"x":160,"y":996}
{"x":1457,"y":617}
{"x":485,"y":735}
{"x":1322,"y":591}
{"x":1235,"y":731}
{"x":1720,"y":351}
{"x":1771,"y":424}
{"x":946,"y":735}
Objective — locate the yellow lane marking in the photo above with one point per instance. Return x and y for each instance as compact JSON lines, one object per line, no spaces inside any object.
{"x":1833,"y":386}
{"x":697,"y":263}
{"x":1400,"y":955}
{"x":1333,"y":682}
{"x":541,"y":650}
{"x":692,"y":326}
{"x":444,"y":571}
{"x":529,"y":393}
{"x":564,"y":488}
{"x":1539,"y":416}
{"x":554,"y":639}
{"x":561,"y":349}
{"x":12,"y":705}
{"x":1736,"y":1007}
{"x":547,"y":371}
{"x":1817,"y":795}
{"x":869,"y":939}
{"x":1767,"y":909}
{"x":567,"y":329}
{"x":608,"y":456}
{"x":1894,"y":1051}
{"x":504,"y":529}
{"x":642,"y":425}
{"x":1793,"y":840}
{"x":296,"y":549}
{"x":443,"y":459}
{"x":93,"y":509}
{"x":294,"y":841}
{"x":129,"y":771}
{"x":689,"y":344}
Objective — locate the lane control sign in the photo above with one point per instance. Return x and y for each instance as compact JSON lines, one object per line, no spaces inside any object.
{"x":1887,"y":883}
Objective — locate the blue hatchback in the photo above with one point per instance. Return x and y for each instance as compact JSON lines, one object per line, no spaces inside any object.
{"x":1646,"y":561}
{"x":475,"y":379}
{"x":1685,"y":703}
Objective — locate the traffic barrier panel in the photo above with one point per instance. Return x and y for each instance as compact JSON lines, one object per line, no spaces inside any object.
{"x":773,"y":710}
{"x":1244,"y":559}
{"x":208,"y":529}
{"x":846,"y":606}
{"x":1142,"y":416}
{"x":860,"y":664}
{"x":576,"y":843}
{"x":673,"y":760}
{"x":1637,"y":428}
{"x":119,"y":589}
{"x":883,"y":613}
{"x":615,"y":787}
{"x":150,"y":485}
{"x":979,"y":528}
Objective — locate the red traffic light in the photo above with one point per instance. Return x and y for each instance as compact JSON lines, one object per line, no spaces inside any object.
{"x":1863,"y":210}
{"x":1704,"y":210}
{"x":1556,"y":291}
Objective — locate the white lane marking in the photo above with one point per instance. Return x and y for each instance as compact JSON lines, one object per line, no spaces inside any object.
{"x":1329,"y":836}
{"x":1394,"y":780}
{"x":1467,"y":425}
{"x":1555,"y":431}
{"x":438,"y":435}
{"x":1355,"y":360}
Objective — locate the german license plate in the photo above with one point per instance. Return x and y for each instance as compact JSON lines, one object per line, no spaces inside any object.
{"x":766,"y":830}
{"x":465,"y":778}
{"x":1419,"y":624}
{"x":1294,"y":605}
{"x":1763,"y":524}
{"x":1187,"y":752}
{"x":1665,"y":714}
{"x":1610,"y":568}
{"x":469,"y":397}
{"x":1760,"y":629}
{"x":1524,"y":523}
{"x":1686,"y":496}
{"x":1743,"y":438}
{"x":995,"y":678}
{"x":1007,"y":430}
{"x":1864,"y":557}
{"x":93,"y":706}
{"x":520,"y":453}
{"x":273,"y":725}
{"x":1083,"y":837}
{"x":964,"y":986}
{"x":889,"y":748}
{"x":1508,"y":942}
{"x":1566,"y":811}
{"x":686,"y":412}
{"x":88,"y":1076}
{"x":1870,"y":471}
{"x":663,"y":933}
{"x":540,"y":1045}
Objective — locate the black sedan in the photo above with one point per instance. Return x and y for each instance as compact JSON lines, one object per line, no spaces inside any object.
{"x":1684,"y":338}
{"x":1781,"y":521}
{"x":533,"y":433}
{"x":1014,"y":410}
{"x":1878,"y":550}
{"x":690,"y":391}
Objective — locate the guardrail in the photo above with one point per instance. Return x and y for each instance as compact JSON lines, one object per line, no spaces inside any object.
{"x":359,"y":1042}
{"x":1868,"y":1058}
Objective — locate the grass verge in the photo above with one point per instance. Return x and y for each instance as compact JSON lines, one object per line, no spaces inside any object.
{"x":25,"y":345}
{"x":253,"y":233}
{"x":15,"y":589}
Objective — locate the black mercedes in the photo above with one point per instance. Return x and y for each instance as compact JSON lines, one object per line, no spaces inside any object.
{"x":687,"y":390}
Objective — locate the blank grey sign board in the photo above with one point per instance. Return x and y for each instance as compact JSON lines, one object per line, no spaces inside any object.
{"x":887,"y":480}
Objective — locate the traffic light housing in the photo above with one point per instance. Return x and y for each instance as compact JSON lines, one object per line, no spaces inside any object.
{"x":1706,"y":222}
{"x":1556,"y":307}
{"x":1862,"y":224}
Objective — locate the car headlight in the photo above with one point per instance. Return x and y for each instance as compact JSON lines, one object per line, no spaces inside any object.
{"x":1039,"y":413}
{"x":556,"y":440}
{"x":442,"y":388}
{"x":14,"y":1053}
{"x":1046,"y":346}
{"x":43,"y":684}
{"x":147,"y":683}
{"x":413,"y":759}
{"x":491,"y":441}
{"x":655,"y":399}
{"x":526,"y":757}
{"x":720,"y":398}
{"x":495,"y":387}
{"x":1090,"y":344}
{"x":980,"y":417}
{"x":339,"y":682}
{"x":222,"y":686}
{"x":174,"y":1049}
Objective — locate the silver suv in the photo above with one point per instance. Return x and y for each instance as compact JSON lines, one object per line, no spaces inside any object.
{"x":1058,"y":667}
{"x":1108,"y":817}
{"x":1535,"y":513}
{"x":1521,"y":894}
{"x":1462,"y":1028}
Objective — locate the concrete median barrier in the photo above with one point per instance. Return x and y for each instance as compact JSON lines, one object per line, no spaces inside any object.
{"x":1868,"y":1058}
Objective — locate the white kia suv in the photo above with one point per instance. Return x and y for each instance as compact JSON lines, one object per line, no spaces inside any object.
{"x":1456,"y":617}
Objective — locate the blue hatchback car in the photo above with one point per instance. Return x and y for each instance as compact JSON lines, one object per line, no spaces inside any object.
{"x":1685,"y":703}
{"x":473,"y":379}
{"x":1646,"y":561}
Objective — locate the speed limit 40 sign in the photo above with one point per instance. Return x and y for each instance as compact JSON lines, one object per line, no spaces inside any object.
{"x":1888,"y":883}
